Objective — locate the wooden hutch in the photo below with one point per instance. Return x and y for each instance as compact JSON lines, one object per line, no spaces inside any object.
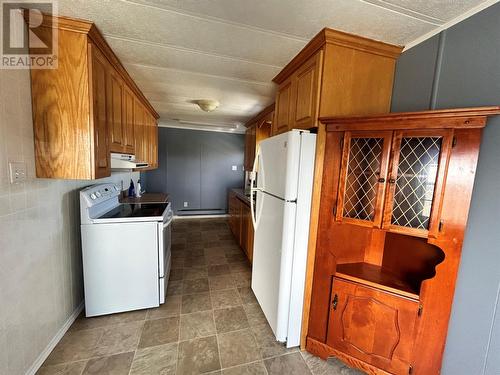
{"x":395,"y":197}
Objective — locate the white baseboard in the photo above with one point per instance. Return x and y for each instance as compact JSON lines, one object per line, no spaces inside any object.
{"x":52,"y":344}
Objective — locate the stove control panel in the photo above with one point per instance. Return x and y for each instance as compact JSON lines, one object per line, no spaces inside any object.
{"x":99,"y":193}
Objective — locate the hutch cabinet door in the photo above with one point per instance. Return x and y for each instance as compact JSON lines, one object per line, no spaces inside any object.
{"x":374,"y":326}
{"x":365,"y":159}
{"x":283,"y":108}
{"x":416,"y":180}
{"x":306,"y":99}
{"x":98,"y":94}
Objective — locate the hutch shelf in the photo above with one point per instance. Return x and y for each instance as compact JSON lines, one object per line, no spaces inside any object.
{"x":394,"y":202}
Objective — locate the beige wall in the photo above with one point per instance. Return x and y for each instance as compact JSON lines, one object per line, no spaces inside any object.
{"x":40,"y":255}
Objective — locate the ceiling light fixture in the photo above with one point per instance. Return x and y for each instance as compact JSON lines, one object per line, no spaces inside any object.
{"x":207,"y":105}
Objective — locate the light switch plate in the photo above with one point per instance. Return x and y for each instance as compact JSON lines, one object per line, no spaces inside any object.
{"x":234,"y":168}
{"x":17,"y":172}
{"x":186,"y":204}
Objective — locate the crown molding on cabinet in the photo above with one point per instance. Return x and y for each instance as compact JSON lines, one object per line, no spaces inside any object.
{"x":330,"y":36}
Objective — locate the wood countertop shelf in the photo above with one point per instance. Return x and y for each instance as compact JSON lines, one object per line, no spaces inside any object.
{"x":376,"y":277}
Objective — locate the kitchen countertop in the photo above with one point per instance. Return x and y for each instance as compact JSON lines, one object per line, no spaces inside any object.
{"x":240,"y":193}
{"x":147,"y":198}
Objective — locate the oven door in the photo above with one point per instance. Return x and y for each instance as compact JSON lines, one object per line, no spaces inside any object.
{"x":164,"y":252}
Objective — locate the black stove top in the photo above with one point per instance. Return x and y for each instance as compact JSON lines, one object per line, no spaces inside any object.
{"x":125,"y":210}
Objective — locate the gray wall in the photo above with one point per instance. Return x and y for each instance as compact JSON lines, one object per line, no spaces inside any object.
{"x":196,"y":167}
{"x":461,"y":68}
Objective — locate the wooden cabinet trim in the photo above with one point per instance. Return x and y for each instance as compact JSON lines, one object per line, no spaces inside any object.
{"x":91,"y":30}
{"x":456,"y":118}
{"x":330,"y":36}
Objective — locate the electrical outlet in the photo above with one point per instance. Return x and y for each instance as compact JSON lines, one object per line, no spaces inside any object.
{"x":186,"y":204}
{"x":234,"y":168}
{"x":17,"y":172}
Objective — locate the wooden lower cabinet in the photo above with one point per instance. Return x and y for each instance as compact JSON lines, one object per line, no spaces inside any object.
{"x":240,"y":223}
{"x":372,"y":325}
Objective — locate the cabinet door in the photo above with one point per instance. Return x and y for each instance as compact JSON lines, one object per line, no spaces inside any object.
{"x":99,"y":112}
{"x":115,"y":111}
{"x":374,"y":326}
{"x":306,"y":97}
{"x":250,"y":147}
{"x":233,"y":214}
{"x":416,"y":180}
{"x":245,"y":212}
{"x":283,"y":108}
{"x":128,"y":121}
{"x":365,"y":159}
{"x":139,"y":130}
{"x":154,"y":141}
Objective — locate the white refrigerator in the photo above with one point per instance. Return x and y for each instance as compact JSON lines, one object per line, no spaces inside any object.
{"x":282,"y":188}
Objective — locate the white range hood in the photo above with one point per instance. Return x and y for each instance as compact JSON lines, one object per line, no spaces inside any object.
{"x":126,"y":161}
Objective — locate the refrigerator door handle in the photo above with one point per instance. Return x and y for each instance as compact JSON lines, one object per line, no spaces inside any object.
{"x":253,"y":175}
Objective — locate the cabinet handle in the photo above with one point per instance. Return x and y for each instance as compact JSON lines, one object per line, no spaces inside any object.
{"x":392,"y":181}
{"x":381,"y":180}
{"x":440,"y":226}
{"x":335,"y":301}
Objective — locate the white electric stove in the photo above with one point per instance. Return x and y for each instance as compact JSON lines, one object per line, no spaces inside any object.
{"x":125,"y":250}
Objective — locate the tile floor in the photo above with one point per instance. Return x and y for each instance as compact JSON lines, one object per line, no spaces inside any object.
{"x":211,"y":322}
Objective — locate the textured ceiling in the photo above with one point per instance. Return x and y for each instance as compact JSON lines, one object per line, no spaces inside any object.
{"x":229,"y":50}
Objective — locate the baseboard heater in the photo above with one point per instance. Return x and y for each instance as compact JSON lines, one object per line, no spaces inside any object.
{"x":189,"y":212}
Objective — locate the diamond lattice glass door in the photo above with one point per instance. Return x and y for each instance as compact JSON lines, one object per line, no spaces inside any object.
{"x":414,"y":180}
{"x":364,"y":168}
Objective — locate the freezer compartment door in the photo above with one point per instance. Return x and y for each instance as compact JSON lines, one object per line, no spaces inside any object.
{"x":272,"y":260}
{"x":278,"y":165}
{"x":120,"y":267}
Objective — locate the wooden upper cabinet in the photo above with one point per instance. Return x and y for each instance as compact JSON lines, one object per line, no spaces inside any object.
{"x":364,"y":166}
{"x":306,"y":93}
{"x":128,"y":121}
{"x":335,"y":74}
{"x":250,"y":144}
{"x":283,"y":112}
{"x":83,"y":110}
{"x":114,"y":95}
{"x":139,"y":131}
{"x":99,"y":83}
{"x":258,"y":129}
